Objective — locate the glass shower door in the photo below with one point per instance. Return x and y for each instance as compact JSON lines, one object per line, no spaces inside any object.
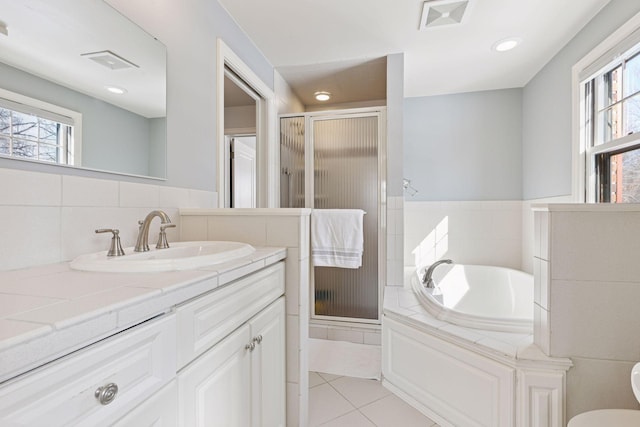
{"x":342,"y":149}
{"x":345,"y":163}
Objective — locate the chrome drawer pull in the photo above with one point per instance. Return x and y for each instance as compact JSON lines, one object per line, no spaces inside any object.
{"x":251,"y":346}
{"x":107,"y":393}
{"x":258,"y":339}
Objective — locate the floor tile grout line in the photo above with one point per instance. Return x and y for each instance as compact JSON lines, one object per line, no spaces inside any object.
{"x":340,"y":416}
{"x":366,"y":404}
{"x":347,"y":400}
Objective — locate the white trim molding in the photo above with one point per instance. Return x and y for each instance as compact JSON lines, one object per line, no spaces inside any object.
{"x":267,"y":144}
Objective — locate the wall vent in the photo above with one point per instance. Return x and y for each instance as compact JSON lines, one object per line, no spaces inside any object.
{"x":438,"y":13}
{"x":108,"y":59}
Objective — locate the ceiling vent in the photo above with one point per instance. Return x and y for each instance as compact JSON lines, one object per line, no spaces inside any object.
{"x":439,"y":13}
{"x":110,"y":60}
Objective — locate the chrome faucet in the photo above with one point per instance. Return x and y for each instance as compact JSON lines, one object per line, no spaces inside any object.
{"x":142,"y":244}
{"x":426,"y":280}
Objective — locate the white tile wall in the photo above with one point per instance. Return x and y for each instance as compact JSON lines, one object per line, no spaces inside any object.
{"x":528,"y":231}
{"x":395,"y":240}
{"x":599,"y":384}
{"x":355,"y":334}
{"x":587,"y":289}
{"x":595,"y":319}
{"x":51,"y":218}
{"x":599,"y":246}
{"x":483,"y":232}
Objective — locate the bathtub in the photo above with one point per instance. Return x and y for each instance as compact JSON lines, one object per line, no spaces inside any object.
{"x":479,"y":296}
{"x":463,"y":353}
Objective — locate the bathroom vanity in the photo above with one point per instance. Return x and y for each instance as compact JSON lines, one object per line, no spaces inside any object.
{"x":196,"y":347}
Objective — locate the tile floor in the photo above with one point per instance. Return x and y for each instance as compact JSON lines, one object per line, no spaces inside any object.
{"x":354,"y":402}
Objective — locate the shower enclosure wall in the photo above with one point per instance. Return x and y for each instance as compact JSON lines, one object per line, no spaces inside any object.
{"x":345,"y":150}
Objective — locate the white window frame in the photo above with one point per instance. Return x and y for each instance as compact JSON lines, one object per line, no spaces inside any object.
{"x":583,"y":167}
{"x":33,"y":105}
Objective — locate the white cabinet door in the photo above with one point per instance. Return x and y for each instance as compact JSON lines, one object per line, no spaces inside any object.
{"x":215,"y":390}
{"x":268,"y":366}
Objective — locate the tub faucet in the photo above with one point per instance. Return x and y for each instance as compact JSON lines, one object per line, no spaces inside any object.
{"x":426,"y":280}
{"x":142,"y":244}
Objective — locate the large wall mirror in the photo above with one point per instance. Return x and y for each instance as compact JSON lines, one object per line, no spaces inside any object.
{"x":81,"y":85}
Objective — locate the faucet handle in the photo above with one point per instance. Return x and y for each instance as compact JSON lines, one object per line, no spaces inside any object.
{"x":162,"y":237}
{"x":116,"y":247}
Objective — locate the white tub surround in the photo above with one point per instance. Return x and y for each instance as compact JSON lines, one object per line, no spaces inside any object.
{"x":465,"y":376}
{"x":586,"y":298}
{"x":289,"y":228}
{"x":469,"y":232}
{"x":52,"y":310}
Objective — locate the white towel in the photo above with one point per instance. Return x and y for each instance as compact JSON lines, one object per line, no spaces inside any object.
{"x":337,"y":237}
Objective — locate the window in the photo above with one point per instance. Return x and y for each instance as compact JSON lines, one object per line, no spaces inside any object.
{"x":611,"y":128}
{"x":29,"y":131}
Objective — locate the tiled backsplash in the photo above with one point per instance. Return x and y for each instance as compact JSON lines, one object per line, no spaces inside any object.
{"x":482,"y":232}
{"x":48,"y":218}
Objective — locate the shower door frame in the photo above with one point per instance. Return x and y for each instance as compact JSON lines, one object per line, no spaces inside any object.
{"x":381,"y":114}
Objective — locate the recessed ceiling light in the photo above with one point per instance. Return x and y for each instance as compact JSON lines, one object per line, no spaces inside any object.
{"x":115,"y":89}
{"x":506,"y":44}
{"x":322,"y":96}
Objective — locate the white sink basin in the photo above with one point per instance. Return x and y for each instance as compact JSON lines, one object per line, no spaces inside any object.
{"x":635,"y":381}
{"x":180,"y":256}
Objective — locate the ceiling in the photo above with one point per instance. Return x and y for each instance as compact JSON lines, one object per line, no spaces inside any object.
{"x":309,"y":40}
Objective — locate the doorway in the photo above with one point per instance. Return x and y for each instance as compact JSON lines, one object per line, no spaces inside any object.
{"x":242,"y":167}
{"x":253,"y":116}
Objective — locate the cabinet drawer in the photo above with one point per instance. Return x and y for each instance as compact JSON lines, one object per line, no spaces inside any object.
{"x":208,"y":319}
{"x":160,"y":410}
{"x":63,"y":393}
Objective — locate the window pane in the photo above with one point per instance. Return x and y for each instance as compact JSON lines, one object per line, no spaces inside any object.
{"x":610,"y":88}
{"x":25,"y":125}
{"x":48,"y":153}
{"x":48,"y":131}
{"x":632,"y":76}
{"x":5,"y":121}
{"x":588,"y":113}
{"x":610,"y":124}
{"x":26,"y":149}
{"x":4,"y":146}
{"x":632,"y":115}
{"x":625,"y":177}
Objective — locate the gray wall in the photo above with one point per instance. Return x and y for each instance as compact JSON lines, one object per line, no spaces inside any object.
{"x":464,"y":146}
{"x":546,"y":148}
{"x":108,"y":132}
{"x":395,"y":113}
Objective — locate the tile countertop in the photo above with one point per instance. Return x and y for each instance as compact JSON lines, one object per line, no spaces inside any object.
{"x":49,"y":311}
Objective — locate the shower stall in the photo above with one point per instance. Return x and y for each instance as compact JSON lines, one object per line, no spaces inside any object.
{"x":336,"y":160}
